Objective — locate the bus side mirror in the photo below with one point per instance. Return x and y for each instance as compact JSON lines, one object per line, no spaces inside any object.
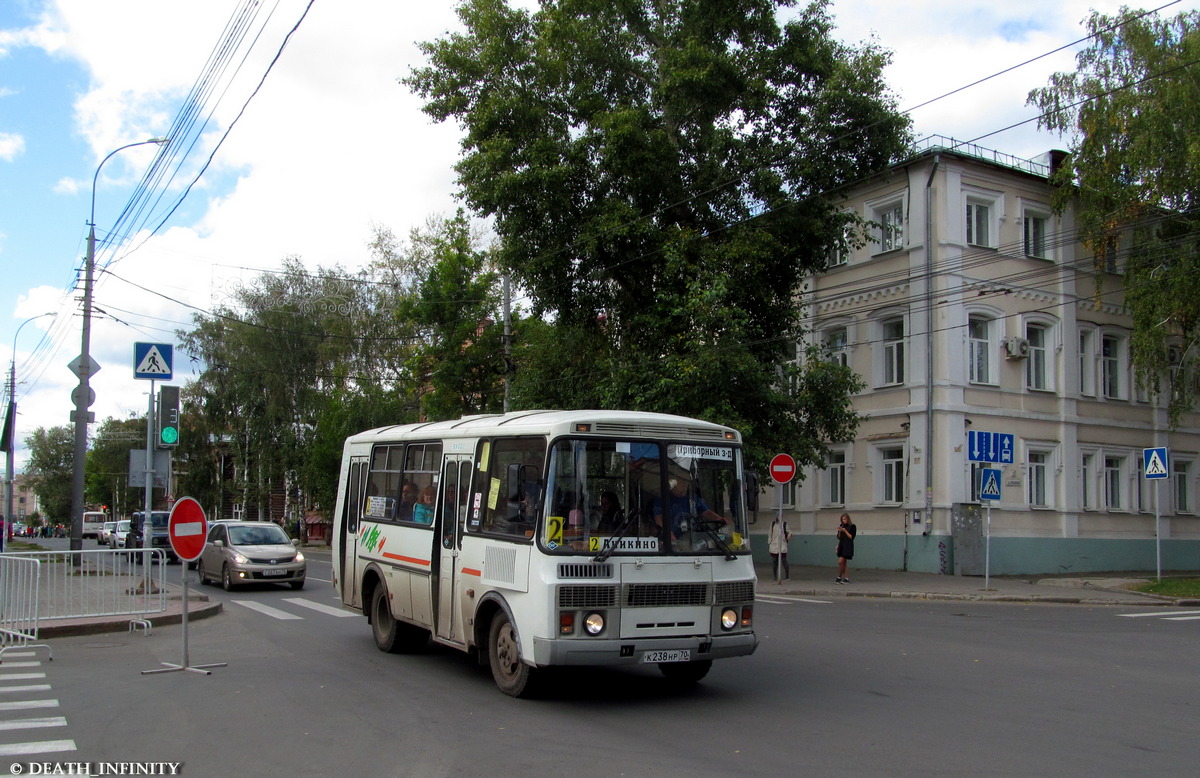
{"x":514,"y":488}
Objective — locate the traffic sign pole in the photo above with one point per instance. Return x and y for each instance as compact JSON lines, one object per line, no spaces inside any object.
{"x":783,"y":470}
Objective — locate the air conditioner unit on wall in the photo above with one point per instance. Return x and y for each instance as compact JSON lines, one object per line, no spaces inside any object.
{"x":1017,"y":348}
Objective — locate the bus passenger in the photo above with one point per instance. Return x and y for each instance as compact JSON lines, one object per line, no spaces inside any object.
{"x":423,"y":510}
{"x":684,"y":506}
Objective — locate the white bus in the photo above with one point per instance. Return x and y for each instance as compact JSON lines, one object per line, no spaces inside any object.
{"x":93,"y":522}
{"x":540,"y":538}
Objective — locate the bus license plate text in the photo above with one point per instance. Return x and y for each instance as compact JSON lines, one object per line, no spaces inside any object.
{"x":656,"y":657}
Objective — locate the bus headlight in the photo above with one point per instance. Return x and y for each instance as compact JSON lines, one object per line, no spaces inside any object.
{"x":594,"y":623}
{"x":729,"y":618}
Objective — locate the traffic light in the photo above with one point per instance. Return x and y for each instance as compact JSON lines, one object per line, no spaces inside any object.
{"x":168,"y":417}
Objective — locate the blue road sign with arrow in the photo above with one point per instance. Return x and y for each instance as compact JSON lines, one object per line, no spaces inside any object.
{"x":990,"y":446}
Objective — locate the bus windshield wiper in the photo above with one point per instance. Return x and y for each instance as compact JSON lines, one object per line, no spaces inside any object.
{"x":710,"y":528}
{"x":617,"y":535}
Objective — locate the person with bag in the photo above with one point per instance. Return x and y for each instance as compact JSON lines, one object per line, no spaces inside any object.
{"x":777,"y":544}
{"x":846,"y":532}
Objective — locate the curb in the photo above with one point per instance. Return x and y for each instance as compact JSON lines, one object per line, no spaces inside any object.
{"x":73,"y":627}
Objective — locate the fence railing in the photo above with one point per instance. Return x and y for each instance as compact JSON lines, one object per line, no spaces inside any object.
{"x":97,"y":582}
{"x":19,"y":589}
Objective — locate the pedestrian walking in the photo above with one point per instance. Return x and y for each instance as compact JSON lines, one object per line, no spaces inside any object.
{"x":777,"y":544}
{"x":845,"y":546}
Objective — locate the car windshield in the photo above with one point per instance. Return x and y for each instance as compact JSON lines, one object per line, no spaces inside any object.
{"x":607,"y":496}
{"x":266,"y":535}
{"x":122,"y":526}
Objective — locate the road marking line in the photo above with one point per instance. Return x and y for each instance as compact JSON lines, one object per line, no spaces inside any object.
{"x":21,"y":676}
{"x":328,"y":609}
{"x":1157,"y":614}
{"x":41,"y":747}
{"x":783,"y":599}
{"x":322,"y":580}
{"x":48,"y":721}
{"x":23,"y":653}
{"x":267,"y":610}
{"x":33,"y":687}
{"x":27,"y":704}
{"x":7,"y":665}
{"x":1181,"y":618}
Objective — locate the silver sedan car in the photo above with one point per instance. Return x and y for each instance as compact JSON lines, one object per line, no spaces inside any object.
{"x":243,"y":552}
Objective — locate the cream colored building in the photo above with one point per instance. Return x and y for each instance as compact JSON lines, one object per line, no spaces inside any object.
{"x":1006,"y":326}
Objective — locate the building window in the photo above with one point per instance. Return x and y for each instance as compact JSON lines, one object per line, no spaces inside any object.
{"x":1038,"y":365}
{"x":892,"y":340}
{"x":1087,"y":470}
{"x":979,"y":350}
{"x":892,"y":460}
{"x":839,"y":253}
{"x":1112,"y":366}
{"x":1038,"y":478}
{"x":836,"y":340}
{"x":978,"y":224}
{"x":1087,"y":362}
{"x":1035,"y":235}
{"x":835,"y":478}
{"x":1114,"y":473}
{"x":891,"y":226}
{"x":1182,"y":486}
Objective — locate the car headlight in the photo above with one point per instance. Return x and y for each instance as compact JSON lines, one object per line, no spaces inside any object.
{"x":729,"y":618}
{"x":594,"y":623}
{"x":299,"y":557}
{"x":239,"y":559}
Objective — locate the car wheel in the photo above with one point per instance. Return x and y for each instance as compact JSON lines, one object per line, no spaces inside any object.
{"x":514,"y":677}
{"x":685,"y":673}
{"x":226,"y":579}
{"x":200,"y":573}
{"x":296,"y":585}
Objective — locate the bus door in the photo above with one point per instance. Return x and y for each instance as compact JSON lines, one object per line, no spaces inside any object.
{"x":348,"y":539}
{"x":452,"y":518}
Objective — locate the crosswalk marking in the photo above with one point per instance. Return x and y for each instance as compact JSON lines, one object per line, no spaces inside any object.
{"x":28,"y":704}
{"x":267,"y":610}
{"x":7,"y":665}
{"x":33,"y":687}
{"x":22,"y":676}
{"x":47,"y":721}
{"x":41,"y":747}
{"x":327,"y":609}
{"x":1175,"y":615}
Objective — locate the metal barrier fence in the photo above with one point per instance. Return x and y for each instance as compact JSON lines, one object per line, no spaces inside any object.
{"x":97,"y":582}
{"x":19,"y":589}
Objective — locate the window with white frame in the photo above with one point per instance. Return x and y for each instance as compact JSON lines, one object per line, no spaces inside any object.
{"x":1040,"y":363}
{"x":891,"y":470}
{"x":981,"y":348}
{"x":891,"y":346}
{"x":839,"y":253}
{"x":1087,"y":479}
{"x":835,"y":478}
{"x":1087,"y":361}
{"x":1112,"y":366}
{"x":837,"y":342}
{"x":1115,"y":468}
{"x":1036,"y":238}
{"x":979,"y":223}
{"x":1181,"y":485}
{"x":890,"y":218}
{"x":1038,"y":482}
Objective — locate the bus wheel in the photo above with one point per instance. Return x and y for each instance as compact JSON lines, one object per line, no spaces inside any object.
{"x":685,"y":673}
{"x":513,"y":676}
{"x":392,"y":636}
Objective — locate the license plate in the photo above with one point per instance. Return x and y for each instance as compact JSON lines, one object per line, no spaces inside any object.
{"x":274,"y":572}
{"x":656,"y":657}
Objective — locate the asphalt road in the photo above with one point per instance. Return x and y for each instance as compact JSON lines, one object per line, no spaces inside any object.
{"x":849,"y":687}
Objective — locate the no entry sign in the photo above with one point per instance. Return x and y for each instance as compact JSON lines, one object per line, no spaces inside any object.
{"x":783,"y":468}
{"x":187,"y":528}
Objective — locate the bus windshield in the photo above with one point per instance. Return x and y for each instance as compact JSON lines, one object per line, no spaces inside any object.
{"x":613,"y":496}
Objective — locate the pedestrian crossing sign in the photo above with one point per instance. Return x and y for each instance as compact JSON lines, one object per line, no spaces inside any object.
{"x":989,"y":484}
{"x":153,"y":361}
{"x":1154,"y":462}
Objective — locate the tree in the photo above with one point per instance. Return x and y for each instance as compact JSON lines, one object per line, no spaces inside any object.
{"x":657,"y":175}
{"x":49,"y":469}
{"x":107,"y":476}
{"x":1132,"y":111}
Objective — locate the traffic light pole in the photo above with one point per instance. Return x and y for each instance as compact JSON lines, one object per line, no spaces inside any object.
{"x":149,"y":491}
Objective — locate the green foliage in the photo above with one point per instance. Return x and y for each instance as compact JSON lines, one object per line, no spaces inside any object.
{"x":1173,"y":587}
{"x":49,"y":470}
{"x":655,"y":173}
{"x":106,"y":479}
{"x":1131,"y":109}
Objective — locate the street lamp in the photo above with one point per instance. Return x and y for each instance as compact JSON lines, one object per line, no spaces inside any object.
{"x":84,"y":396}
{"x":10,"y":431}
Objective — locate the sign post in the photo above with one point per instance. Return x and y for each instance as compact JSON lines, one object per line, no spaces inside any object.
{"x":1155,"y":468}
{"x":989,"y":490}
{"x":783,"y":470}
{"x":187,"y":529}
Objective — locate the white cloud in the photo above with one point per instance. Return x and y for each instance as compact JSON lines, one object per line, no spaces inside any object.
{"x":11,"y":146}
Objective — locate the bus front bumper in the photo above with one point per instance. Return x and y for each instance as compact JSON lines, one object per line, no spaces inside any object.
{"x":577,"y":651}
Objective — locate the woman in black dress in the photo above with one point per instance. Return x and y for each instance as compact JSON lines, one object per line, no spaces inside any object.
{"x":845,"y":546}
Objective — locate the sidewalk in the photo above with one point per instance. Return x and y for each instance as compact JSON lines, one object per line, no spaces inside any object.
{"x":1098,"y":589}
{"x":199,"y":607}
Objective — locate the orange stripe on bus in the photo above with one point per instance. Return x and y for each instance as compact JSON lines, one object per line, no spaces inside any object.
{"x":472,"y":571}
{"x":399,"y":558}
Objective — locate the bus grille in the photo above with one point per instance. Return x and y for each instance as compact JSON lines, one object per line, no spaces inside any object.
{"x":579,"y":596}
{"x":735,"y":591}
{"x":567,"y":570}
{"x":650,"y":595}
{"x":661,"y":431}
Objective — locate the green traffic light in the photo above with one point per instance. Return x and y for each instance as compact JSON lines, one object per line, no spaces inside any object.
{"x":169,"y":435}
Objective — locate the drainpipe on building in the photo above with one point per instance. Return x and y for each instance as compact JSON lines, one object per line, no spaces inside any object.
{"x":929,"y":346}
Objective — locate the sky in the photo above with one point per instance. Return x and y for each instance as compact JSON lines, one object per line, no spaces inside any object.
{"x":304,"y":142}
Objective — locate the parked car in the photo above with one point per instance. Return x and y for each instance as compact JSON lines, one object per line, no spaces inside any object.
{"x":242,"y":552}
{"x":105,"y":533}
{"x":119,"y":532}
{"x":159,"y":536}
